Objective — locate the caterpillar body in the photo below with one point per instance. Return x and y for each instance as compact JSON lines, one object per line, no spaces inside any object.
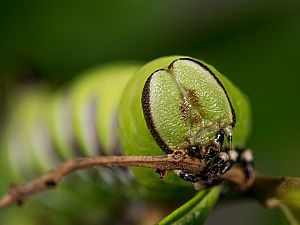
{"x":168,"y":104}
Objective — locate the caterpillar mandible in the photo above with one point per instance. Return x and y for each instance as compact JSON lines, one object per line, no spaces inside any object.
{"x":170,"y":103}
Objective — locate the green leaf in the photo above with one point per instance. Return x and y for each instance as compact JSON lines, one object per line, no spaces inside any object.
{"x":290,"y":206}
{"x":196,"y":210}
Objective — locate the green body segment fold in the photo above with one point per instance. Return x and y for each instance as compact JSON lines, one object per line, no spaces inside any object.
{"x":94,"y":101}
{"x":78,"y":120}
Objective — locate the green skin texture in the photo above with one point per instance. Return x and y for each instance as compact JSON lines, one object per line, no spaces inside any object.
{"x":135,"y":136}
{"x":101,"y":87}
{"x":41,"y":126}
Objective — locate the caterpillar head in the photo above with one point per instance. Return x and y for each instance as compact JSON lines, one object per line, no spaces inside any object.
{"x":186,"y":107}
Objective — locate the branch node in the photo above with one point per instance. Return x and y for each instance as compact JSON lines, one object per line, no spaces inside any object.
{"x":15,"y":191}
{"x":162,"y":173}
{"x":178,"y":155}
{"x":51,"y":183}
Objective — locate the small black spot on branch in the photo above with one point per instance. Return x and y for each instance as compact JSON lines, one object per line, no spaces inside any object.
{"x":51,"y":183}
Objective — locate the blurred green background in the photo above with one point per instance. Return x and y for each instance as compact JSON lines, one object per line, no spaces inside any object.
{"x":255,"y":43}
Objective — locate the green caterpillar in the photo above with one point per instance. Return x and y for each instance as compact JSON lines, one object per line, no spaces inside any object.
{"x":171,"y":103}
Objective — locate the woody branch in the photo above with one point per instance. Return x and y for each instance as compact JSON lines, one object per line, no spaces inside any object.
{"x":261,"y":185}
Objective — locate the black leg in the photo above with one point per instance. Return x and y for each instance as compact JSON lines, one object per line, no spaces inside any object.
{"x":191,"y":177}
{"x":216,"y":165}
{"x":198,"y":179}
{"x":215,"y":168}
{"x":246,"y":160}
{"x":219,"y":164}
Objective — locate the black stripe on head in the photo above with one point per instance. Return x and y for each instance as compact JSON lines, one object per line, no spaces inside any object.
{"x":146,"y":106}
{"x":218,"y":81}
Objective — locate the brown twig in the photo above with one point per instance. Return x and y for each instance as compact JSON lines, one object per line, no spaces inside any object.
{"x":176,"y":161}
{"x":263,"y":188}
{"x":268,"y":190}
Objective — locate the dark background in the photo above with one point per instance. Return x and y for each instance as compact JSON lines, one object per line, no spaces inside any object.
{"x":255,"y":43}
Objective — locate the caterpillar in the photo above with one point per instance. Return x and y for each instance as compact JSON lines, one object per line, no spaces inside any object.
{"x":171,"y":103}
